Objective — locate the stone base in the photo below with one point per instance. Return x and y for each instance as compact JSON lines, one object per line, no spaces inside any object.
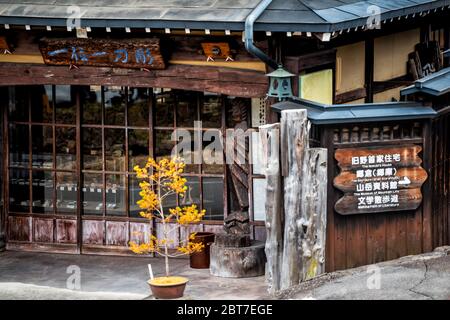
{"x":243,"y":262}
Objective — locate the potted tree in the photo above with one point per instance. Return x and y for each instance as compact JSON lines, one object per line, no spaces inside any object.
{"x":160,"y":180}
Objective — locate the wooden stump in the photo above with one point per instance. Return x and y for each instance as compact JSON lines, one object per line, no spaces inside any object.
{"x":232,"y":240}
{"x":242,"y":262}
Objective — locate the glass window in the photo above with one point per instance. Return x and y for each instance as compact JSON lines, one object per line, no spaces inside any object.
{"x":66,"y":148}
{"x":19,"y":106}
{"x":213,"y":198}
{"x":43,"y":191}
{"x":42,"y":146}
{"x":41,"y":103}
{"x":187,"y":102}
{"x":115,"y":195}
{"x":19,"y":190}
{"x":66,"y":192}
{"x":114,"y":105}
{"x":185,"y":149}
{"x":192,"y":195}
{"x":138,"y":107}
{"x":92,"y":149}
{"x":163,"y":144}
{"x":164,"y":109}
{"x":138,"y":147}
{"x":92,"y":194}
{"x":115,"y":149}
{"x":19,"y":152}
{"x":65,"y":104}
{"x":211,"y":111}
{"x":134,"y":196}
{"x":213,"y":152}
{"x":91,"y":104}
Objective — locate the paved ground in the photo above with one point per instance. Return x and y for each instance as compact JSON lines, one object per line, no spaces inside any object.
{"x":34,"y":276}
{"x":418,"y":277}
{"x":44,"y":276}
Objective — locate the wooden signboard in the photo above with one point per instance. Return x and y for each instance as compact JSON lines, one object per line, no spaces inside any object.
{"x":379,"y":179}
{"x":130,"y":53}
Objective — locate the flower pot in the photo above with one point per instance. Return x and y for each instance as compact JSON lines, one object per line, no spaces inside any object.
{"x":200,"y":260}
{"x":168,"y":287}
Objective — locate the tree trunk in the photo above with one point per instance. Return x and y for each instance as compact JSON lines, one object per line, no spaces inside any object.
{"x":270,"y":149}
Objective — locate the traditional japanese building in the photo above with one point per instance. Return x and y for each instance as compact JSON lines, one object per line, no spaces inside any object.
{"x":89,"y":90}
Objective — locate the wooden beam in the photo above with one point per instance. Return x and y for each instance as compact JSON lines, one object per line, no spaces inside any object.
{"x":240,"y":83}
{"x":369,"y":68}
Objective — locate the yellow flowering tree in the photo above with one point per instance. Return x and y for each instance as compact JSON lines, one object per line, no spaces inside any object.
{"x":159,"y":180}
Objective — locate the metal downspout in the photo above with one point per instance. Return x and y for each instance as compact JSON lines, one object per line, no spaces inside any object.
{"x":249,"y":45}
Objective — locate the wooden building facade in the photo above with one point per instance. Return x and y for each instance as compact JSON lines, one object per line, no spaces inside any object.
{"x":83,"y":102}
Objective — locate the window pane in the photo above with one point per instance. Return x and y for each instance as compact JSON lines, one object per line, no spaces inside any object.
{"x":259,"y":199}
{"x":213,"y":198}
{"x":211,"y":111}
{"x":115,"y":149}
{"x":192,"y":195}
{"x":165,"y":102}
{"x":138,"y":104}
{"x":65,"y":104}
{"x":138,"y":150}
{"x":42,"y":146}
{"x":134,"y":196}
{"x":115,"y":195}
{"x":186,"y":108}
{"x":91,"y":104}
{"x":66,"y":192}
{"x":18,"y":145}
{"x":18,"y":108}
{"x":163,"y":144}
{"x":114,"y":105}
{"x":213,"y":152}
{"x":19,"y":190}
{"x":92,"y":194}
{"x":66,"y":148}
{"x":92,"y":149}
{"x":185,"y":149}
{"x":41,"y":104}
{"x":43,"y":192}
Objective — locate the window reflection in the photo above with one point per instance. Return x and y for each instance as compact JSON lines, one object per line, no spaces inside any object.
{"x":42,"y":146}
{"x":19,"y":103}
{"x":138,"y":147}
{"x":42,"y":192}
{"x":19,"y":153}
{"x":114,"y":105}
{"x":91,"y":104}
{"x":42,"y":104}
{"x":66,"y":148}
{"x":115,"y":149}
{"x":115,"y":195}
{"x":66,"y":192}
{"x":164,"y":108}
{"x":65,"y":104}
{"x":211,"y":111}
{"x":187,"y":102}
{"x":134,"y":196}
{"x":138,"y":107}
{"x":92,"y":149}
{"x":92,"y":194}
{"x":19,"y":190}
{"x":192,"y":195}
{"x":163,"y":144}
{"x":213,"y":198}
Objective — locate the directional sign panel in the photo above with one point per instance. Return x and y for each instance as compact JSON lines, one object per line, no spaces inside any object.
{"x":379,"y":179}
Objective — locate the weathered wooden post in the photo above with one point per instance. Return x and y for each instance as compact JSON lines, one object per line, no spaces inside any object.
{"x":270,"y":143}
{"x":296,"y":221}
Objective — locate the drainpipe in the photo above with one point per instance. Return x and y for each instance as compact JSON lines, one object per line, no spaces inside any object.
{"x":249,"y":45}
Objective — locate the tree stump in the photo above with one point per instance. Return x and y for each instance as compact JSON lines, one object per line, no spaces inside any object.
{"x":238,"y":262}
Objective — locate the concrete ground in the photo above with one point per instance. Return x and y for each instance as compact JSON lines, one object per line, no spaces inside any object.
{"x":25,"y":275}
{"x":421,"y":277}
{"x":45,"y":276}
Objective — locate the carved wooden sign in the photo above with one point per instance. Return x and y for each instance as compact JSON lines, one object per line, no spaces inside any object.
{"x":130,"y":53}
{"x":379,"y":179}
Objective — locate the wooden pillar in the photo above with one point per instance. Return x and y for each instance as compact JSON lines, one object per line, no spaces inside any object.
{"x":270,"y":143}
{"x":369,"y":69}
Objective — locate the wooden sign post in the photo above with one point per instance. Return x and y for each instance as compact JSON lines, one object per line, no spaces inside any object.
{"x":131,"y":53}
{"x":379,"y":179}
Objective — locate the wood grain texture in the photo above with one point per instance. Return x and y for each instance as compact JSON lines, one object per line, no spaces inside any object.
{"x":129,"y":53}
{"x":116,"y":233}
{"x":66,"y":231}
{"x":20,"y":228}
{"x":43,"y":230}
{"x":93,"y":232}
